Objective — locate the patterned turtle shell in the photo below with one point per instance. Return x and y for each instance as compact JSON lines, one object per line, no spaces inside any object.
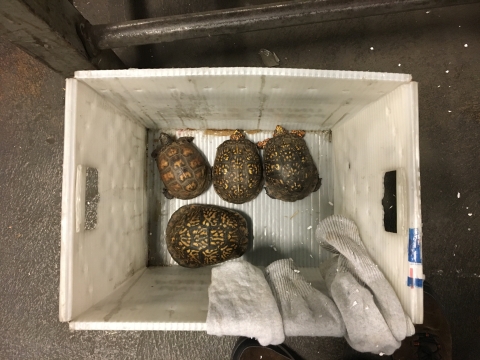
{"x":202,"y":235}
{"x":237,"y":170}
{"x":290,"y":172}
{"x":184,"y":171}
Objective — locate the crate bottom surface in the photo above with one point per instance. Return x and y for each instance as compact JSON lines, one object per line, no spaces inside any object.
{"x":277,"y":229}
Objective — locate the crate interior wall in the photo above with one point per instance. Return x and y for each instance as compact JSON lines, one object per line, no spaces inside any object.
{"x":359,"y":126}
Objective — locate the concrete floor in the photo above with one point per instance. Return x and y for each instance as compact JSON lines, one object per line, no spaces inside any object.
{"x":423,"y":44}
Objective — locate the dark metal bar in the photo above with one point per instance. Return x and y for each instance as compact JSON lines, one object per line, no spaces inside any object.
{"x":253,"y":18}
{"x":48,"y":30}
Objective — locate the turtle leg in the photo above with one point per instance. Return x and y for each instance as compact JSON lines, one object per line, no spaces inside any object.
{"x":155,"y":152}
{"x":261,"y":144}
{"x":186,"y":139}
{"x":167,"y":194}
{"x":299,"y":133}
{"x":270,"y":196}
{"x":319,"y":183}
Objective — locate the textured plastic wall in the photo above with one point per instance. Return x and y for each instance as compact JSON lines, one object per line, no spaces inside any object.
{"x":383,"y":137}
{"x":245,"y":98}
{"x":95,"y":262}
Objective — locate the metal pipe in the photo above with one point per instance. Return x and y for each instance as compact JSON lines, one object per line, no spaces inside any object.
{"x":252,"y":18}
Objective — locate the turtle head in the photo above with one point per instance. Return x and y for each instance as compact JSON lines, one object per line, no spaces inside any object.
{"x":164,"y":141}
{"x":262,"y":144}
{"x":279,"y":130}
{"x":299,"y":133}
{"x":237,"y":135}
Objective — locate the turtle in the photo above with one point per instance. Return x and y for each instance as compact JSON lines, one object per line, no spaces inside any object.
{"x":237,"y":170}
{"x":290,"y":172}
{"x":184,"y":171}
{"x":200,"y":235}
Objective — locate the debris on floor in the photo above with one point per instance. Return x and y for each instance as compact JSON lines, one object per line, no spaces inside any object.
{"x":269,"y":58}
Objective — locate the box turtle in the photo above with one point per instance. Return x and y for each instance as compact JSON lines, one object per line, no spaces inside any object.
{"x":184,"y":171}
{"x":290,"y":172}
{"x":202,"y":235}
{"x":237,"y":170}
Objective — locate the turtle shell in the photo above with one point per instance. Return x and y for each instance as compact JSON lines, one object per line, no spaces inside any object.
{"x":237,"y":170}
{"x":183,"y":169}
{"x":202,"y":235}
{"x":290,"y":172}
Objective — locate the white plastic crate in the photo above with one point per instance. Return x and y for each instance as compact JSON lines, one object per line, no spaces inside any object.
{"x":359,"y":126}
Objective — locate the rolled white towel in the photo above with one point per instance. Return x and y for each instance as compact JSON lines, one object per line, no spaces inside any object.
{"x":240,"y":303}
{"x":374,"y":318}
{"x":305,"y":310}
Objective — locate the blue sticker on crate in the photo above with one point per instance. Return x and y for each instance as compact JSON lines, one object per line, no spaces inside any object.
{"x":411,"y":282}
{"x":414,"y":246}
